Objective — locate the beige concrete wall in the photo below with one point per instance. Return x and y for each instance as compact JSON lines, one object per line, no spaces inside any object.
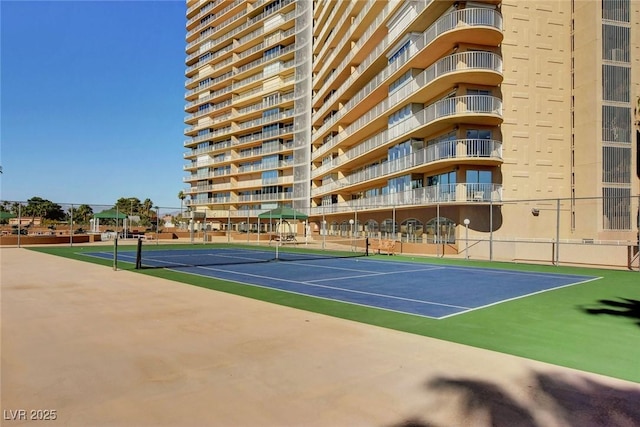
{"x":537,"y":99}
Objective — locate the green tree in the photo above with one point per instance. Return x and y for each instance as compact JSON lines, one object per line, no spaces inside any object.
{"x":15,"y":208}
{"x":181,"y":196}
{"x":82,"y":214}
{"x":37,"y":206}
{"x":147,"y":205}
{"x":128,"y":206}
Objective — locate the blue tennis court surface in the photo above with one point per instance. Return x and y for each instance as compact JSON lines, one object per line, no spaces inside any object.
{"x":428,"y":290}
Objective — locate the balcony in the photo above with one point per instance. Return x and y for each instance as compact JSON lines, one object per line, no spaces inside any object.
{"x":211,"y":187}
{"x":236,"y":31}
{"x":427,"y":196}
{"x":226,"y":131}
{"x":455,"y":151}
{"x":267,"y":197}
{"x":212,"y":19}
{"x":484,"y":68}
{"x":475,"y":109}
{"x":210,"y":109}
{"x":208,"y":202}
{"x":483,"y":26}
{"x":257,"y":167}
{"x":217,"y":160}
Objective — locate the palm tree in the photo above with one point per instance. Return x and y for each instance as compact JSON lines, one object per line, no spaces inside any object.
{"x":147,"y":204}
{"x":82,"y":213}
{"x":181,"y":196}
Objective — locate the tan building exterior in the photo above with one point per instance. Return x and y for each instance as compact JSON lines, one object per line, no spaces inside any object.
{"x":401,"y":119}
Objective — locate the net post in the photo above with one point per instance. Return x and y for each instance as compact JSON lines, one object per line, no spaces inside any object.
{"x":366,"y":246}
{"x":139,"y":254}
{"x":115,"y":251}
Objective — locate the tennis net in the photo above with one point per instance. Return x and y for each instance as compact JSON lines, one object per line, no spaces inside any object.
{"x":220,"y":254}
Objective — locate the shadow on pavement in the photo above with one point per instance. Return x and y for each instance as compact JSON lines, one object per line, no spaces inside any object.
{"x":581,"y":402}
{"x":625,"y":307}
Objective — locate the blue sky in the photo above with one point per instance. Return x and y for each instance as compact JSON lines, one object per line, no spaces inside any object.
{"x":92,"y":100}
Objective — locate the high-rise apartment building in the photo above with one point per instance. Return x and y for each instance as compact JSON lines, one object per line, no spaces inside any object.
{"x":406,"y":118}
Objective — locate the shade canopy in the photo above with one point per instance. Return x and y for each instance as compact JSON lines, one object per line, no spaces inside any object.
{"x":6,"y":215}
{"x":110,"y":214}
{"x":283,"y":212}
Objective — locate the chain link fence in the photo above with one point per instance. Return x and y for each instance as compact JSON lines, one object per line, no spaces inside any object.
{"x":596,"y":231}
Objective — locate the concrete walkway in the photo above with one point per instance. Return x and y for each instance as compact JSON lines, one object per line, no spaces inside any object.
{"x":107,"y":348}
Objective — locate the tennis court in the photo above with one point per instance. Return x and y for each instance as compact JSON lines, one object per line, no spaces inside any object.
{"x":416,"y":288}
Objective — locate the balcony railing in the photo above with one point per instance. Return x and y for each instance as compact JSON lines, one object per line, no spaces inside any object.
{"x":211,"y":187}
{"x":208,"y":110}
{"x":454,"y":20}
{"x":212,"y":18}
{"x":457,"y":62}
{"x":458,"y":149}
{"x":210,"y":201}
{"x":232,"y":33}
{"x":264,"y":197}
{"x":460,"y":105}
{"x":209,"y":175}
{"x":432,"y":195}
{"x":265,"y":166}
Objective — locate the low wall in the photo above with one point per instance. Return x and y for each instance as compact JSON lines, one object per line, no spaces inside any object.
{"x":426,"y":248}
{"x":12,"y":239}
{"x":590,"y":255}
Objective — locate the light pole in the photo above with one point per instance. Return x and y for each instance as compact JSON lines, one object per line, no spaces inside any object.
{"x":466,"y":237}
{"x":351,"y":222}
{"x":324,"y":232}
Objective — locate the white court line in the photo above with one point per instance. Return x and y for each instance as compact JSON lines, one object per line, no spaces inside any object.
{"x":371,"y":275}
{"x":482,"y":269}
{"x":328,"y":267}
{"x":311,"y":283}
{"x":340,"y":301}
{"x":333,"y":288}
{"x":521,"y":296}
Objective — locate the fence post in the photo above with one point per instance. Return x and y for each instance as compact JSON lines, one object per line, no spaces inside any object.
{"x":229,"y":225}
{"x":71,"y":226}
{"x":19,"y":221}
{"x":438,"y":224}
{"x":115,"y":250}
{"x":490,"y":228}
{"x":557,"y":259}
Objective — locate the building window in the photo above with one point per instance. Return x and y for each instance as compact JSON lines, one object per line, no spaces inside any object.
{"x":270,"y":161}
{"x":399,"y":184}
{"x":478,"y":134}
{"x":616,"y":124}
{"x":616,"y":208}
{"x":399,"y":150}
{"x":440,"y":230}
{"x":205,"y":82}
{"x":445,"y":185}
{"x":270,"y":113}
{"x":615,"y":43}
{"x":616,"y":165}
{"x":272,"y":99}
{"x":616,"y":83}
{"x":478,"y":177}
{"x":477,"y":145}
{"x":272,"y":7}
{"x":399,"y":52}
{"x":400,"y":115}
{"x":401,"y":81}
{"x":274,"y":51}
{"x":616,"y":10}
